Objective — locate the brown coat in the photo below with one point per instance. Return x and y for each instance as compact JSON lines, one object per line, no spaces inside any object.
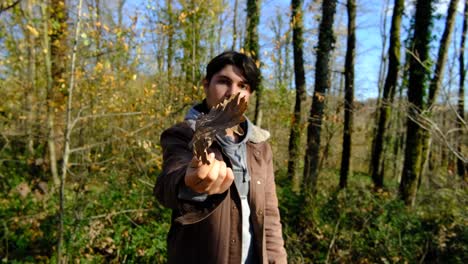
{"x":211,"y":231}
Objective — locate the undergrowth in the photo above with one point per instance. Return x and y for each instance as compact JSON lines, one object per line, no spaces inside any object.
{"x":109,"y":218}
{"x":357,"y":225}
{"x":112,"y":217}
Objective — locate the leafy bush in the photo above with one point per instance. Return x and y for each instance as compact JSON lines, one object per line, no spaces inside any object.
{"x":114,"y":221}
{"x":357,"y":225}
{"x":113,"y":217}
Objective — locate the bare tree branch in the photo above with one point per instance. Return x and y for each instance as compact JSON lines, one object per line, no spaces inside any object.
{"x":120,"y":212}
{"x":128,"y":133}
{"x":90,"y":146}
{"x":83,"y":118}
{"x":429,"y":125}
{"x":68,"y":130}
{"x":5,"y":8}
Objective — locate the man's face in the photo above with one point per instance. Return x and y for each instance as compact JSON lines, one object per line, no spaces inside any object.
{"x":223,"y":84}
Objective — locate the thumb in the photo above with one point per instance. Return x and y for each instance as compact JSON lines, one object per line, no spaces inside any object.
{"x":195,"y":163}
{"x":205,"y":160}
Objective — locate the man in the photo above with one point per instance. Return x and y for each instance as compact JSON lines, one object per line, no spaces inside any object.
{"x":225,"y":211}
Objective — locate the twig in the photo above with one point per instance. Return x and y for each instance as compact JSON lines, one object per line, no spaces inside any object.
{"x":131,"y":133}
{"x":3,"y":9}
{"x":6,"y":141}
{"x":129,"y":219}
{"x":78,"y":115}
{"x":416,"y":57}
{"x":146,"y":183}
{"x":68,"y":130}
{"x":429,"y":69}
{"x":459,"y":118}
{"x":39,"y":216}
{"x":90,"y":146}
{"x":332,"y":242}
{"x":134,"y":132}
{"x":429,"y":125}
{"x":425,"y":252}
{"x":117,"y":213}
{"x":82,"y":118}
{"x":5,"y":227}
{"x":12,"y":160}
{"x":75,"y":164}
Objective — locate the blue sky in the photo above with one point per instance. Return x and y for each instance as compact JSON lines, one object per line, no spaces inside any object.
{"x":368,"y":35}
{"x":368,"y":46}
{"x":369,"y":42}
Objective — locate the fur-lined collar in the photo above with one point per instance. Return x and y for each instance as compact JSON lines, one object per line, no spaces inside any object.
{"x":259,"y":134}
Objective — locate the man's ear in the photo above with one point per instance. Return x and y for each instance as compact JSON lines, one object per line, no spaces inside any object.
{"x":205,"y":85}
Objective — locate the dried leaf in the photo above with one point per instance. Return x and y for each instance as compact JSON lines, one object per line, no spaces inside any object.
{"x":221,"y":118}
{"x":32,"y":30}
{"x":23,"y":189}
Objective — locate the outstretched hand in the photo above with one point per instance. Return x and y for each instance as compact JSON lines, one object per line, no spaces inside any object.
{"x":212,"y":178}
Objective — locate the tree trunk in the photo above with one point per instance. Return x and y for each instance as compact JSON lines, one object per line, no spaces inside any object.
{"x":296,"y":124}
{"x":8,"y":5}
{"x":277,"y":28}
{"x":385,"y":108}
{"x":287,"y":64}
{"x":170,"y":52}
{"x":437,"y":79}
{"x":170,"y":40}
{"x":120,"y":5}
{"x":322,"y":84}
{"x":234,"y":25}
{"x":380,"y":85}
{"x":418,"y":80}
{"x":349,"y":94}
{"x":50,"y":115}
{"x":398,"y":137}
{"x":251,"y":47}
{"x":67,"y":133}
{"x":57,"y":35}
{"x":220,"y":29}
{"x":442,"y":54}
{"x":31,"y":94}
{"x":58,"y":49}
{"x":193,"y":51}
{"x":461,"y":165}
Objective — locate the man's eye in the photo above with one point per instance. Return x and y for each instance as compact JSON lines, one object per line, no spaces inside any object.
{"x":244,"y":86}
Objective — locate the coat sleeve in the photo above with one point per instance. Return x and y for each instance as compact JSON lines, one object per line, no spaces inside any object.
{"x":273,"y":230}
{"x":176,"y":157}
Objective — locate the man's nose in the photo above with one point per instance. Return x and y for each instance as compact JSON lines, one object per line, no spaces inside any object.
{"x":232,"y":89}
{"x":229,"y":90}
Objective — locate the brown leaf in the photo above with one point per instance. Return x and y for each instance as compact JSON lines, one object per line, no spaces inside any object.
{"x":23,"y":189}
{"x":226,"y":115}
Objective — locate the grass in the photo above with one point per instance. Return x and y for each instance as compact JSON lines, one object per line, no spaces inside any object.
{"x":113,"y":217}
{"x":357,"y":225}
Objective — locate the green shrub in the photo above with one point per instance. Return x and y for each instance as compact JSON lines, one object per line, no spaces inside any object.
{"x":357,"y":225}
{"x":113,"y":217}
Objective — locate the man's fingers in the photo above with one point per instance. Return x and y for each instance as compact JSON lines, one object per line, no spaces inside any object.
{"x":214,"y":172}
{"x":214,"y":187}
{"x":203,"y":170}
{"x":197,"y":173}
{"x":195,"y":163}
{"x":227,"y":180}
{"x":222,"y":171}
{"x":206,"y":184}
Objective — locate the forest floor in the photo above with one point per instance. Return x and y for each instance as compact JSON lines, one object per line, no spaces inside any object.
{"x":112,"y":216}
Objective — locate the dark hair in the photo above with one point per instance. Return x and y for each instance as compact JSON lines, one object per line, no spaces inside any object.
{"x":246,"y":64}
